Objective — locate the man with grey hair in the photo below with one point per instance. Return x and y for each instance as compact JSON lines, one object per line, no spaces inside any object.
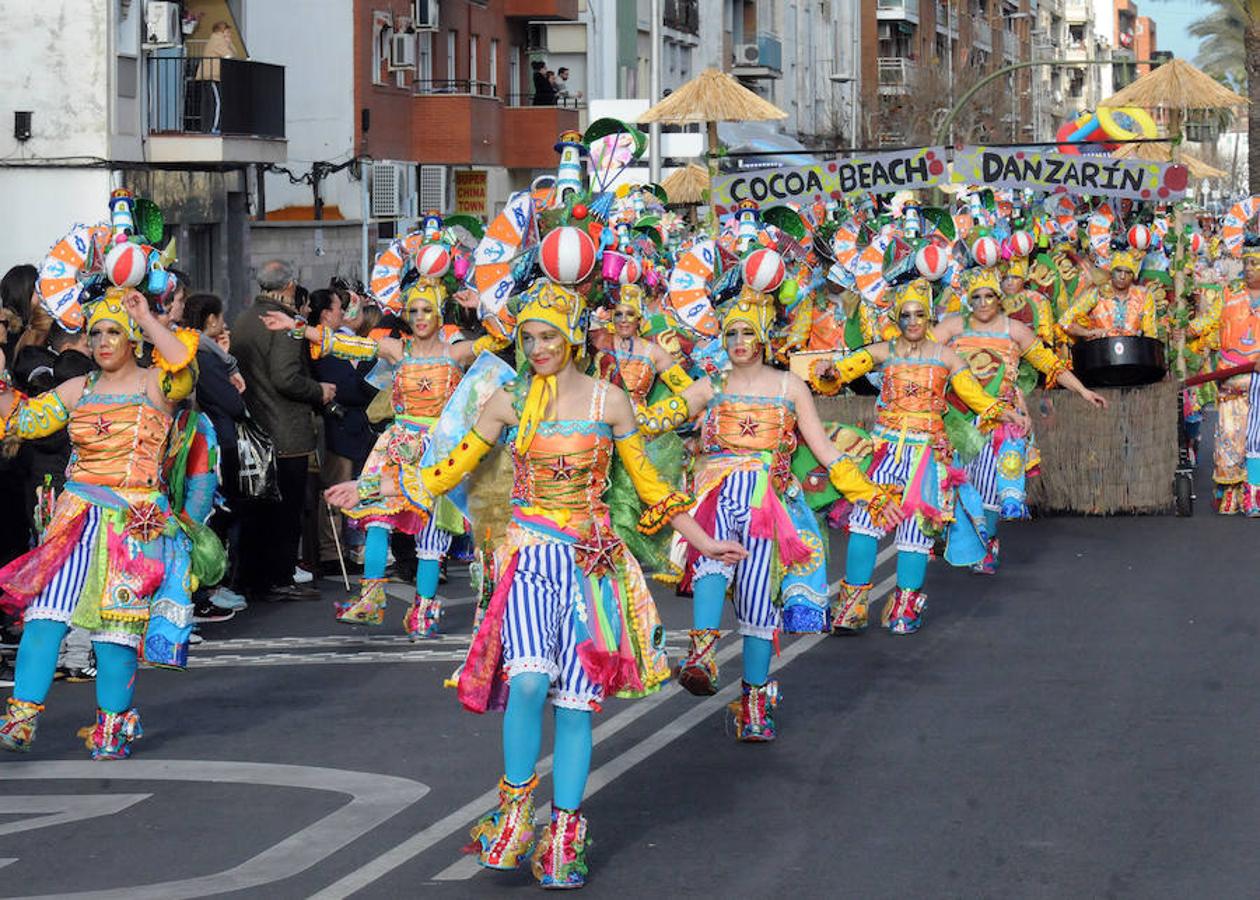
{"x":281,"y":396}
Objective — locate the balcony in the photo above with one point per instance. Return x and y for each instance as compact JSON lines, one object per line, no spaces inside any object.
{"x":1010,"y":45}
{"x":1076,"y":53}
{"x":1078,"y":11}
{"x":897,"y":10}
{"x":765,"y":62}
{"x":896,"y":75}
{"x":456,"y":86}
{"x":555,"y":10}
{"x":532,"y":132}
{"x":946,"y":20}
{"x":682,"y":15}
{"x":981,"y":33}
{"x":215,"y":111}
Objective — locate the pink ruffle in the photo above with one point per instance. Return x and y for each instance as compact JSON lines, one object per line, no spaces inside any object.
{"x":770,"y":521}
{"x":483,"y":667}
{"x":22,"y":580}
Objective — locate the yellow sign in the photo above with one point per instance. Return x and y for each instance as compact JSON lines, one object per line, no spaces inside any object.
{"x":470,"y":192}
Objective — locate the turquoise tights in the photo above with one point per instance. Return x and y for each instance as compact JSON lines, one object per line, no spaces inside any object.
{"x":522,"y":740}
{"x":859,"y":564}
{"x":708,"y":595}
{"x":376,"y":554}
{"x":37,"y":663}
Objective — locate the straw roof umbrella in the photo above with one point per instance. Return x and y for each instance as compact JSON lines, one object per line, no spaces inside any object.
{"x":1163,"y":152}
{"x":1176,"y":87}
{"x":686,"y":186}
{"x":712,"y":97}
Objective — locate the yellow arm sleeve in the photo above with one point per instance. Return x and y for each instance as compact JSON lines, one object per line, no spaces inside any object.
{"x":178,"y":379}
{"x":342,"y":346}
{"x":849,"y":480}
{"x":847,"y":368}
{"x":662,"y":501}
{"x":489,"y":342}
{"x":1043,"y":359}
{"x":446,"y":475}
{"x":1078,"y":312}
{"x":676,"y":378}
{"x":662,"y":416}
{"x":968,"y":388}
{"x":36,"y":417}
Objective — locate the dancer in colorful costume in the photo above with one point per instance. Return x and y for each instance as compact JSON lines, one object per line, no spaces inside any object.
{"x":571,"y":619}
{"x":426,"y":372}
{"x":993,"y":344}
{"x":633,"y":362}
{"x":747,"y":492}
{"x":1116,"y":308}
{"x":1231,"y":324}
{"x":912,"y":452}
{"x":1024,"y":305}
{"x":111,"y":560}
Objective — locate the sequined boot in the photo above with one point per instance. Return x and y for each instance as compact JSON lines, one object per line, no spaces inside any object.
{"x":422,"y":619}
{"x":903,"y":614}
{"x":369,"y":607}
{"x":503,"y":837}
{"x":849,"y":611}
{"x":1230,"y":498}
{"x":699,"y":672}
{"x":1251,"y":501}
{"x":17,"y":728}
{"x":560,"y":860}
{"x":754,"y":722}
{"x":988,"y":565}
{"x":113,"y":734}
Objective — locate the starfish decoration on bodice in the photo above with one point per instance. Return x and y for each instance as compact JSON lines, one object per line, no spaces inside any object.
{"x":101,"y":425}
{"x":563,"y":470}
{"x":424,"y":384}
{"x":748,"y":426}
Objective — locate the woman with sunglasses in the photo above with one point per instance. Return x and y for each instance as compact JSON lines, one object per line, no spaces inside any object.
{"x":993,"y":343}
{"x":912,"y":452}
{"x":427,"y":370}
{"x":571,"y":621}
{"x":752,"y":420}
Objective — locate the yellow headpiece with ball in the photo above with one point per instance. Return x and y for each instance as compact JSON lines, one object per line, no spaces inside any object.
{"x":918,"y":291}
{"x":430,"y":289}
{"x":110,"y":309}
{"x":1125,"y":259}
{"x":759,"y":315}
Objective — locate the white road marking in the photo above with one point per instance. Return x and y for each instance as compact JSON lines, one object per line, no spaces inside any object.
{"x":373,"y":799}
{"x":461,"y":818}
{"x":59,"y":809}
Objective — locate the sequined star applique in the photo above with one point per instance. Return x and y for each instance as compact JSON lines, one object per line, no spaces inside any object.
{"x":101,"y":425}
{"x":563,"y":470}
{"x":748,"y":426}
{"x":424,"y":385}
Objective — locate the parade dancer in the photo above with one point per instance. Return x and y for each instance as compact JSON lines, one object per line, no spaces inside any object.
{"x":746,"y":491}
{"x":912,"y":451}
{"x":633,"y":362}
{"x":427,"y":372}
{"x":1118,"y":307}
{"x":108,"y":561}
{"x":571,"y":620}
{"x":1231,"y":324}
{"x":993,"y":343}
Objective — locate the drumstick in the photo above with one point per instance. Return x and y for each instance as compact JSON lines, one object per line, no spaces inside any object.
{"x":1219,"y":376}
{"x":332,"y":520}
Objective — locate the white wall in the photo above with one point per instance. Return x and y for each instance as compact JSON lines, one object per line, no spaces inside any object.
{"x":320,"y":118}
{"x":43,"y":205}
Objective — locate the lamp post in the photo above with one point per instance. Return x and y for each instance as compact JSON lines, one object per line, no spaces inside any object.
{"x":845,"y":78}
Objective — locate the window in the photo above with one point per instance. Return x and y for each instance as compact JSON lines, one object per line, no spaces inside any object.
{"x":424,"y":56}
{"x":494,"y":67}
{"x":473,"y":41}
{"x":451,"y":38}
{"x":382,"y":31}
{"x":514,"y":76}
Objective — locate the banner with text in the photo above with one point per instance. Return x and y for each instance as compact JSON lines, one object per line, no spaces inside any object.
{"x":470,"y":191}
{"x":881,"y":173}
{"x":1137,"y":179}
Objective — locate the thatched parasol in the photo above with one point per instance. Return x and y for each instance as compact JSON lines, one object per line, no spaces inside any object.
{"x":712,"y":97}
{"x":1176,"y":85}
{"x":1163,"y":152}
{"x":686,"y":186}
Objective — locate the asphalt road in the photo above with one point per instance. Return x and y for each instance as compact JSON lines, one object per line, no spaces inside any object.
{"x":1079,"y":726}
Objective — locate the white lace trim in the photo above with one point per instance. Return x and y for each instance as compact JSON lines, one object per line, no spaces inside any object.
{"x":765,"y":632}
{"x":706,"y":566}
{"x":44,"y":612}
{"x":532,"y":664}
{"x":574,"y":700}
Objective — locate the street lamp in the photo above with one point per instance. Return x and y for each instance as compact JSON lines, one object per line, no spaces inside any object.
{"x":846,"y":78}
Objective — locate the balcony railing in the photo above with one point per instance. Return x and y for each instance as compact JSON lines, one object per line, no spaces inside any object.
{"x":981,"y":33}
{"x":682,"y":15}
{"x":454,"y":86}
{"x":1077,"y":11}
{"x":207,"y":95}
{"x":895,"y":74}
{"x":517,"y":100}
{"x":897,"y":9}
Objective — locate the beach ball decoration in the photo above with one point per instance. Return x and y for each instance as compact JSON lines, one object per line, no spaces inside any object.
{"x":433,"y":261}
{"x":126,"y":264}
{"x":986,"y":251}
{"x":763,"y":270}
{"x":1020,"y":243}
{"x":630,"y":272}
{"x":567,"y":255}
{"x":1140,"y":237}
{"x":932,"y":262}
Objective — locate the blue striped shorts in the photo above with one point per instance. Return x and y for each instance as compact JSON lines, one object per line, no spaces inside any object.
{"x":890,"y":470}
{"x":538,"y":633}
{"x":1252,"y":446}
{"x":58,"y":599}
{"x":982,"y":473}
{"x":755,"y":609}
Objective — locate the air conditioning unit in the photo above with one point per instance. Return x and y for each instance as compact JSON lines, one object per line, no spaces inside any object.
{"x":424,"y":15}
{"x":161,"y":23}
{"x":432,"y":192}
{"x":747,"y":55}
{"x":402,"y":51}
{"x":385,"y":190}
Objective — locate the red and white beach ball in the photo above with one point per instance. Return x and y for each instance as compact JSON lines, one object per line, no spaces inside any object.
{"x":630,"y":272}
{"x":1020,"y":243}
{"x":126,"y":264}
{"x":986,"y":251}
{"x":433,"y":261}
{"x":1139,"y":237}
{"x":1197,"y":243}
{"x":567,"y":255}
{"x":763,"y":270}
{"x":932,"y":261}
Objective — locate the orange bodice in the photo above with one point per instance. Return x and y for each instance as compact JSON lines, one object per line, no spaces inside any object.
{"x":630,"y":370}
{"x":423,"y":384}
{"x":987,"y":353}
{"x":1240,"y":327}
{"x":1119,"y":316}
{"x":565,"y":468}
{"x":117,"y":440}
{"x":912,"y":395}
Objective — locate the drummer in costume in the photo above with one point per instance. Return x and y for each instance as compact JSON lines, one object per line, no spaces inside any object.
{"x":427,"y":370}
{"x":571,"y":620}
{"x":912,"y":452}
{"x":109,"y":560}
{"x":1231,"y":323}
{"x":750,"y":422}
{"x":633,"y":362}
{"x":1115,"y":309}
{"x":993,"y":343}
{"x":1026,"y":306}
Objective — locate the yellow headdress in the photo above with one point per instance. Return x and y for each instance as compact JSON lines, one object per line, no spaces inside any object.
{"x":1124,"y":259}
{"x":1017,"y":267}
{"x":759,"y":315}
{"x":430,"y":289}
{"x":982,"y":278}
{"x":110,"y":309}
{"x":917,"y":291}
{"x":564,"y":310}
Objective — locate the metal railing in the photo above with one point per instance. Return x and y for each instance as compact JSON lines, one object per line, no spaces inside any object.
{"x":208,"y":95}
{"x":517,"y":100}
{"x":981,"y":33}
{"x":454,"y":86}
{"x":895,"y":74}
{"x":907,"y":9}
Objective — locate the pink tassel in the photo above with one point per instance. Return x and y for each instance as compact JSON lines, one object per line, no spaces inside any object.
{"x":954,"y":477}
{"x":913,"y":501}
{"x":771,"y":522}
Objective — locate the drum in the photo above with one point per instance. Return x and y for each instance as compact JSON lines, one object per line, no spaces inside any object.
{"x":1125,"y":361}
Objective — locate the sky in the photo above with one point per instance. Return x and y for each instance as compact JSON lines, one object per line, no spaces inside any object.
{"x":1172,"y":19}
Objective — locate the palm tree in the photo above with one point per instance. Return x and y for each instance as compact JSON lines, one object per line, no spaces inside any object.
{"x":1232,"y":31}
